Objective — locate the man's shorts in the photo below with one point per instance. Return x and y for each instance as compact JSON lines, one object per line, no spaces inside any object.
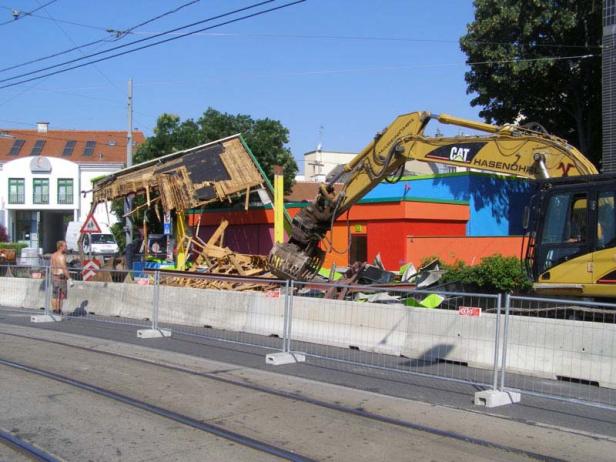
{"x":60,"y":286}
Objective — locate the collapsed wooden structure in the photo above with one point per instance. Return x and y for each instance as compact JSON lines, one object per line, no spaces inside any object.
{"x":215,"y":172}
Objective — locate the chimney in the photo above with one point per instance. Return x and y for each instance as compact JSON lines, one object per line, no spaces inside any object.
{"x":42,"y":127}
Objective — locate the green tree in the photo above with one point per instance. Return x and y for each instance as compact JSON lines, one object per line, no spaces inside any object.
{"x":266,"y":138}
{"x":524,"y":42}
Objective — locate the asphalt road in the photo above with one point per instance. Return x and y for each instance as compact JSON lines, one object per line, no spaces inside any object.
{"x":78,"y":426}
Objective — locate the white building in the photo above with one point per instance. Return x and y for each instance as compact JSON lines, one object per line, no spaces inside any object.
{"x":46,"y":179}
{"x":319,"y":164}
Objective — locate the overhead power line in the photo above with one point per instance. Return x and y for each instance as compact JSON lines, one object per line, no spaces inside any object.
{"x":72,"y":23}
{"x":17,"y":14}
{"x":119,"y":34}
{"x":105,"y":58}
{"x":380,"y":38}
{"x":213,"y":18}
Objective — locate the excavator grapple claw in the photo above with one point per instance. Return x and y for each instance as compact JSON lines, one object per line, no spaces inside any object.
{"x":288,"y":261}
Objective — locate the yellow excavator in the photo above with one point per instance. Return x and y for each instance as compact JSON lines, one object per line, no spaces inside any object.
{"x":571,"y":221}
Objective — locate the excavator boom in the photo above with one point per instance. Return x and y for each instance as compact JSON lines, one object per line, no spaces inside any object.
{"x":527,"y":152}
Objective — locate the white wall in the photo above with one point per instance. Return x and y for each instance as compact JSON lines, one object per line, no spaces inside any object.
{"x":318,"y":164}
{"x":328,"y":161}
{"x":86,"y":176}
{"x":20,"y":168}
{"x":81,"y":174}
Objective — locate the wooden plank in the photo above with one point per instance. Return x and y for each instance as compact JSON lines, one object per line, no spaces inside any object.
{"x":218,"y":233}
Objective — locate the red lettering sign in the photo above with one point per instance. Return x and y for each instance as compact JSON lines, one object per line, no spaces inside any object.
{"x":472,"y":311}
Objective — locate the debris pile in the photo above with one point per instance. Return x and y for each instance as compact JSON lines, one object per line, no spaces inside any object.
{"x":213,"y":258}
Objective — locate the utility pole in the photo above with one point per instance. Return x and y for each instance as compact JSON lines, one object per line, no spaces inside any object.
{"x":129,"y":162}
{"x":129,"y":143}
{"x":608,"y":57}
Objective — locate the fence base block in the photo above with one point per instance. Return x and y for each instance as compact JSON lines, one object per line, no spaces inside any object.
{"x":46,"y":318}
{"x":495,"y":398}
{"x":280,"y":358}
{"x":153,"y":333}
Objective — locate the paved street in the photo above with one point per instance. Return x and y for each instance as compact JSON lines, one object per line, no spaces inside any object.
{"x":76,"y":425}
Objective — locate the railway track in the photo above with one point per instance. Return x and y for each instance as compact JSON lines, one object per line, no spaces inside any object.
{"x":153,"y":409}
{"x":265,"y":447}
{"x":25,"y":449}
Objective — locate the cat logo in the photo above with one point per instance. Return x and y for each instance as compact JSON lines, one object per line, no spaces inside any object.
{"x":459,"y":154}
{"x":462,"y":152}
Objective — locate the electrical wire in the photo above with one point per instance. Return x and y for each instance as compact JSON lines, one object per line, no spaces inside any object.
{"x":385,"y":39}
{"x":27,"y":13}
{"x":231,"y":21}
{"x":213,"y":18}
{"x":72,"y":23}
{"x":97,"y":68}
{"x":118,"y":33}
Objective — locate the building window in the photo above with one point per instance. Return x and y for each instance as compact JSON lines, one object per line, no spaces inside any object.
{"x":17,"y":145}
{"x":17,"y":191}
{"x":69,"y":147}
{"x":606,"y":220}
{"x":65,"y":191}
{"x":89,"y":149}
{"x":40,"y":191}
{"x":38,"y":148}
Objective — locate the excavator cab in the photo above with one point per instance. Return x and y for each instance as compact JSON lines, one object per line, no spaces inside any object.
{"x":572,"y":236}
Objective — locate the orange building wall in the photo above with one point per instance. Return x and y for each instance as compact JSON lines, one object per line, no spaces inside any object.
{"x":387,"y":225}
{"x":468,"y":249}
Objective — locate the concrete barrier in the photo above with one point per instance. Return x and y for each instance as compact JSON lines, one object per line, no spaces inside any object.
{"x":553,"y":348}
{"x":540,"y":347}
{"x":22,"y":292}
{"x":251,"y":312}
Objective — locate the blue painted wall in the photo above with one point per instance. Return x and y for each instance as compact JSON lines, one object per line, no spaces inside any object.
{"x":496,"y":204}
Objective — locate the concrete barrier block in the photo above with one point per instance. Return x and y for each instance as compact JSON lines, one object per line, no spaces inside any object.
{"x":153,"y":333}
{"x":22,"y":292}
{"x":367,"y":326}
{"x":46,"y":318}
{"x":281,"y":358}
{"x":434,"y":335}
{"x":495,"y":398}
{"x":204,"y":307}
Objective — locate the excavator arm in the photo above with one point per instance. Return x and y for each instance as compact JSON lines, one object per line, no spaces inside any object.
{"x":527,"y":152}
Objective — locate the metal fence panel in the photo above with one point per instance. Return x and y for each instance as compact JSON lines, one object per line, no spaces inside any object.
{"x":249,"y":312}
{"x":23,"y":287}
{"x":395,"y":329}
{"x":112,"y":296}
{"x":564,"y":349}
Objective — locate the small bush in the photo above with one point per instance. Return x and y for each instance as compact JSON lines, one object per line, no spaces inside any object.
{"x":494,"y":274}
{"x":13,"y":245}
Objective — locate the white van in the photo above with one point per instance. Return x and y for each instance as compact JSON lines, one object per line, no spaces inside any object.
{"x":102,"y":243}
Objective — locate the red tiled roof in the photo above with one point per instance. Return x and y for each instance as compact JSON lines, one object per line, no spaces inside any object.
{"x":110,"y":146}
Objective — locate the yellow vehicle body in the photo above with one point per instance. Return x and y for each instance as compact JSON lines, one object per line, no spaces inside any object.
{"x":520,"y":151}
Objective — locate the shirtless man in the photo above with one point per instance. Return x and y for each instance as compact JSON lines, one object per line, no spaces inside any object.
{"x":59,"y":277}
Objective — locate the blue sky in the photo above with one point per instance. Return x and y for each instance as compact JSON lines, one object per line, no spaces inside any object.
{"x":349,"y":66}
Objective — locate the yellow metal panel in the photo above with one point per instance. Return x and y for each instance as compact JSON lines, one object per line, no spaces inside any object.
{"x":278,"y":208}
